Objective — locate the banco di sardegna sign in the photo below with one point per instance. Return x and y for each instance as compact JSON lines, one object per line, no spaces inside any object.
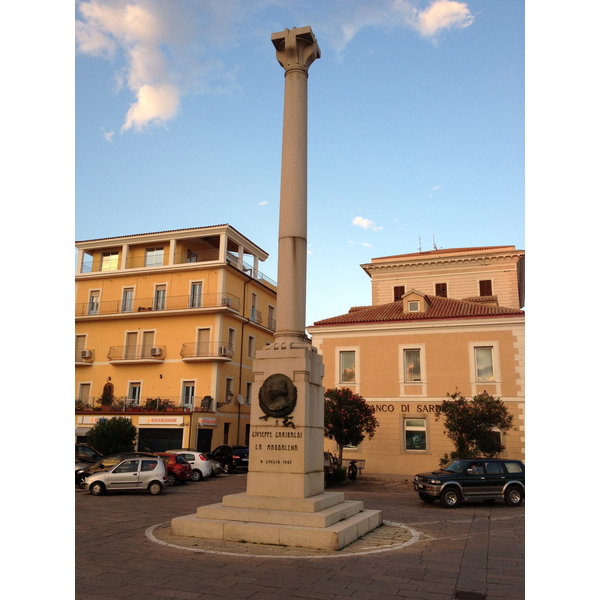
{"x":420,"y":408}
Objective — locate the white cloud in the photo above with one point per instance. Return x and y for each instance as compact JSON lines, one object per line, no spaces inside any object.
{"x":164,"y":50}
{"x":443,"y":14}
{"x":263,"y":203}
{"x":108,"y":135}
{"x":365,"y":223}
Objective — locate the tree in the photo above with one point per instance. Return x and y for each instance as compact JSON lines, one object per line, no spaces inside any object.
{"x":110,"y":436}
{"x":473,"y":425}
{"x":348,"y":418}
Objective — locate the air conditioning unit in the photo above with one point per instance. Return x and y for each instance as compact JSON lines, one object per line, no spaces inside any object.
{"x":224,"y":351}
{"x":226,"y":302}
{"x":86,"y":354}
{"x":155,"y":351}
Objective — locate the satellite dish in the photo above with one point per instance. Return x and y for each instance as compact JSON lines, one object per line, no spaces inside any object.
{"x":240,"y":399}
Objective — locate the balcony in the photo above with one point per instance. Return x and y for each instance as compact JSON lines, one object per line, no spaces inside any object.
{"x":155,"y":304}
{"x":176,"y":404}
{"x":136,"y":354}
{"x":200,"y":351}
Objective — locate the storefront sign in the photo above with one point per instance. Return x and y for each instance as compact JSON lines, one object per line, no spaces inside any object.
{"x":160,"y":420}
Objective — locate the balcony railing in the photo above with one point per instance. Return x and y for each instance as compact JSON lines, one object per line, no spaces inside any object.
{"x":157,"y":304}
{"x":137,"y":353}
{"x":159,"y":404}
{"x":202,"y":350}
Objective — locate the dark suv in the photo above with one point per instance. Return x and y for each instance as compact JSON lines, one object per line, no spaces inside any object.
{"x":486,"y":479}
{"x":231,"y":457}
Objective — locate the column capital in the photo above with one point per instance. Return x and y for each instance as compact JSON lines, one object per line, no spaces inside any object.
{"x":296,"y":49}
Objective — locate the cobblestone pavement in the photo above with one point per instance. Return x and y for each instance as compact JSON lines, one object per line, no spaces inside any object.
{"x":423,"y":551}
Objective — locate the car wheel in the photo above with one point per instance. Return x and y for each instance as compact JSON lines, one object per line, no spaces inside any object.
{"x":171,"y":479}
{"x":513,"y":496}
{"x":196,"y":475}
{"x":96,"y":489}
{"x":155,"y":488}
{"x":426,"y":498}
{"x":450,"y":497}
{"x":81,"y":482}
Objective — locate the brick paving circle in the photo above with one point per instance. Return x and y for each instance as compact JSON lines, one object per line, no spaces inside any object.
{"x":390,"y":536}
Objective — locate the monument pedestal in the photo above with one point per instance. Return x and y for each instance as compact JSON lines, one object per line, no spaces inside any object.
{"x":285,"y":503}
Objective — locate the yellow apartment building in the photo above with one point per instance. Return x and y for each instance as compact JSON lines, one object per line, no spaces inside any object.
{"x":440,"y":321}
{"x":167,"y":324}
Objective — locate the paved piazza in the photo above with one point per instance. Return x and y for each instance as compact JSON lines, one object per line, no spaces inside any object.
{"x":124,"y":550}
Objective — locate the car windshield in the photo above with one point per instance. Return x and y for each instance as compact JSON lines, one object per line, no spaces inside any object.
{"x":456,"y":466}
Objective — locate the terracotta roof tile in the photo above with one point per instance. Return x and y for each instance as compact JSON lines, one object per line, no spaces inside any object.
{"x":439,"y":308}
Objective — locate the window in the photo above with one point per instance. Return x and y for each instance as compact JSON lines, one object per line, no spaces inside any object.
{"x":187,"y":394}
{"x":80,"y":341}
{"x":196,"y":295}
{"x":94,"y":302}
{"x":130,"y":344}
{"x":251,"y":346}
{"x":149,"y":465}
{"x":226,"y":432}
{"x":413,"y":306}
{"x":415,"y":434}
{"x":147,"y":343}
{"x":484,"y":363}
{"x":441,"y":289}
{"x":253,"y":309}
{"x":229,"y":390}
{"x":248,"y":392}
{"x":134,"y":392}
{"x":160,"y":294}
{"x":192,"y":257}
{"x":84,"y":392}
{"x":347,"y":367}
{"x":129,"y":466}
{"x":412,"y":365}
{"x":399,"y":291}
{"x":485,"y":287}
{"x":202,"y":342}
{"x":109,"y":261}
{"x":271,"y":318}
{"x":154,"y":257}
{"x":231,"y":339}
{"x":127,"y":300}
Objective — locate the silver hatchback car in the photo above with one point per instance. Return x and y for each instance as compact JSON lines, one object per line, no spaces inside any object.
{"x":144,"y":474}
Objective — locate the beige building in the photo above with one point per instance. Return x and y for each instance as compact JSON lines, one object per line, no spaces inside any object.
{"x":440,"y":321}
{"x":167,"y":325}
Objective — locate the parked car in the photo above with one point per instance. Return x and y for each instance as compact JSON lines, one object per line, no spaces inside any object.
{"x":486,"y":479}
{"x":202,"y":465}
{"x":179,"y":470}
{"x":84,"y":453}
{"x":105,"y":463}
{"x":142,"y":474}
{"x":231,"y":457}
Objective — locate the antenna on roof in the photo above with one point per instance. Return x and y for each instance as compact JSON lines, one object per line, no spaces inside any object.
{"x":434,"y":246}
{"x":420,"y":249}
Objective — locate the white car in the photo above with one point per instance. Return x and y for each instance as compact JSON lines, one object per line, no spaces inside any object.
{"x":143,"y":474}
{"x":202,"y":466}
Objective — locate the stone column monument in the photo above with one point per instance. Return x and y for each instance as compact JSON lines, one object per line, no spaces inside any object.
{"x":285,"y":503}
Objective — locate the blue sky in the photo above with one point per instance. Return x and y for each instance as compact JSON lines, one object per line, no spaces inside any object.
{"x":416,"y":127}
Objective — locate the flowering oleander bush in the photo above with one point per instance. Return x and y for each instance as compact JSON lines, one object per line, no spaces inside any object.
{"x":473,"y":425}
{"x":348,"y":418}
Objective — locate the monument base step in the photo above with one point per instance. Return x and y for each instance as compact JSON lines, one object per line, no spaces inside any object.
{"x":332,"y":537}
